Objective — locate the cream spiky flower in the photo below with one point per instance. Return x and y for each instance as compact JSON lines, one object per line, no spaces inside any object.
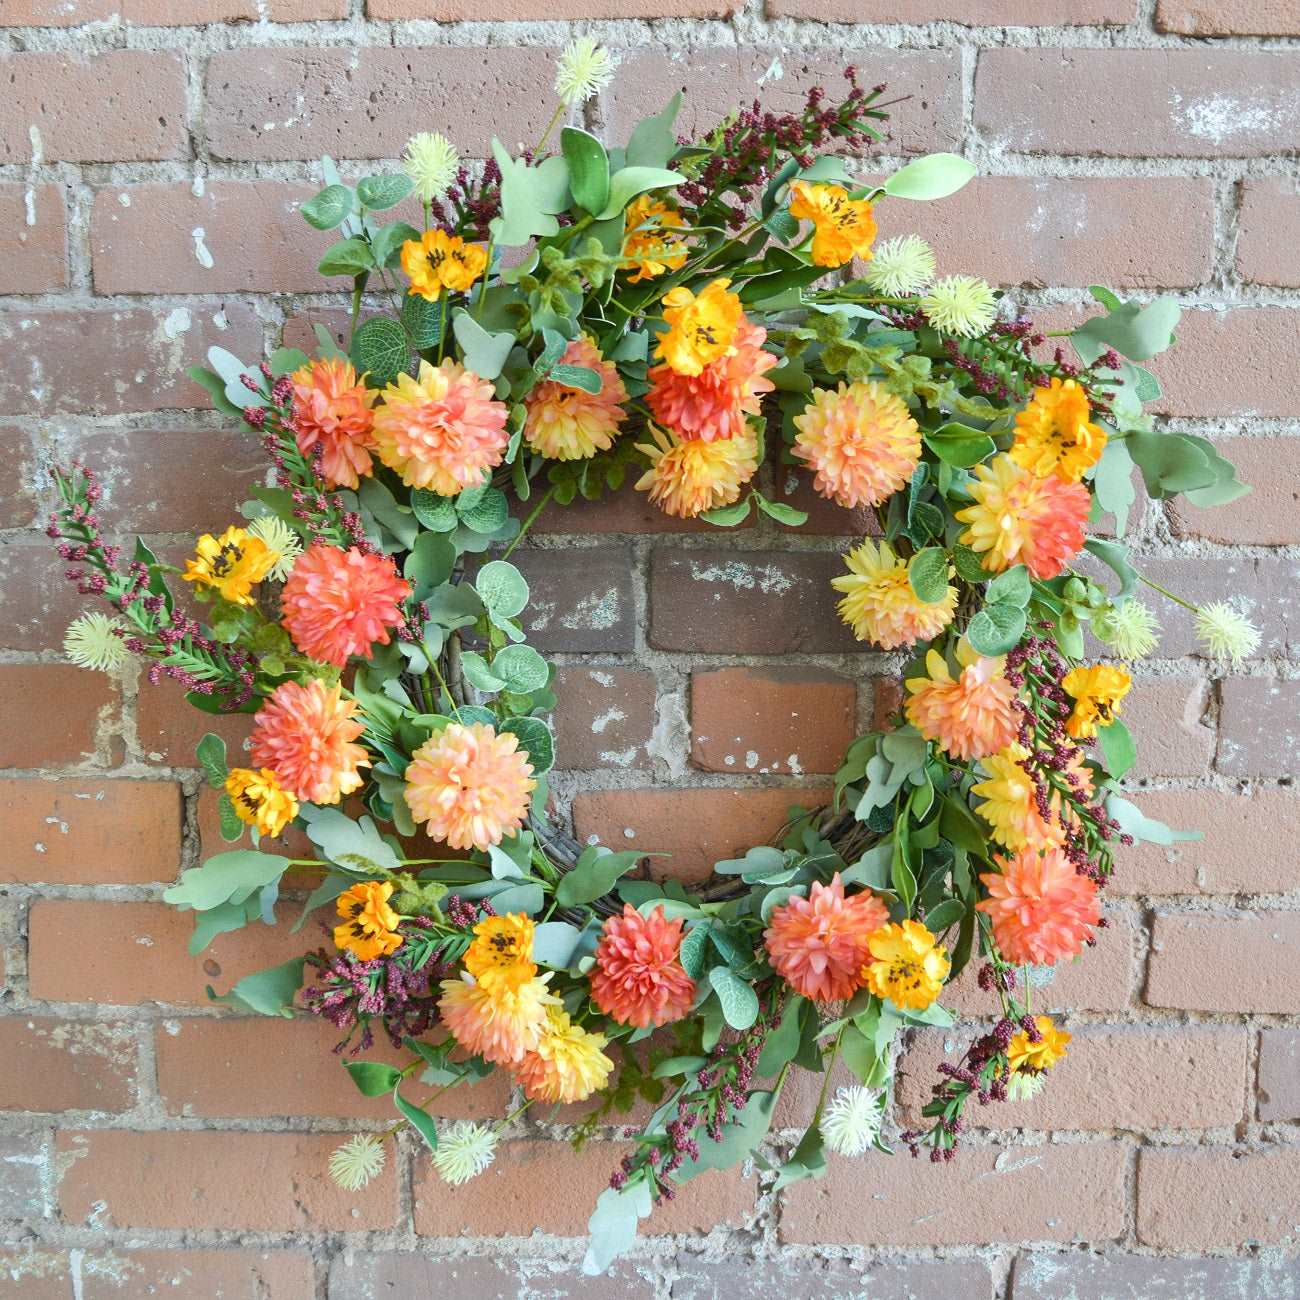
{"x":960,"y":304}
{"x":1130,"y":629}
{"x":92,"y":641}
{"x":584,"y":70}
{"x":464,"y":1151}
{"x":1024,"y":1087}
{"x":1225,"y":633}
{"x":357,"y":1162}
{"x":900,"y":266}
{"x":280,"y":538}
{"x":851,"y":1122}
{"x":431,"y":161}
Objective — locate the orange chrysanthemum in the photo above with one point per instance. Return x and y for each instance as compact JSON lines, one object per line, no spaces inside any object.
{"x":305,"y":735}
{"x":1054,"y":434}
{"x":441,"y":430}
{"x":1019,"y":518}
{"x":638,"y":979}
{"x":567,"y":1064}
{"x":819,"y":944}
{"x":687,"y":478}
{"x":1041,"y":908}
{"x":970,"y":716}
{"x":498,"y":1024}
{"x":714,"y":403}
{"x":470,"y":785}
{"x":501,"y":954}
{"x":331,"y":409}
{"x":879,"y":603}
{"x":1097,"y":692}
{"x":861,"y":441}
{"x":337,"y":603}
{"x":568,"y":423}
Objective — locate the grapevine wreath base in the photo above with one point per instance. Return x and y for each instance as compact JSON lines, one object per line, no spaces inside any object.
{"x":557,"y":321}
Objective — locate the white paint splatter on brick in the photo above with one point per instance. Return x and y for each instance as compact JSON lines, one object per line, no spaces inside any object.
{"x":770,"y":579}
{"x":201,"y":254}
{"x":598,"y":724}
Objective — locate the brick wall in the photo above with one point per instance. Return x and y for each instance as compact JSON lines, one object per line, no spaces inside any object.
{"x":151,"y":157}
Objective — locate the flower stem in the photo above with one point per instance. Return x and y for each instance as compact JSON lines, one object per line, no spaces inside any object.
{"x":528,"y":523}
{"x":1169,"y":595}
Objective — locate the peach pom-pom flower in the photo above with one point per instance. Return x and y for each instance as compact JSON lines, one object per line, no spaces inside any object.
{"x":714,"y":403}
{"x":1041,"y":908}
{"x":566,"y":423}
{"x":972,"y":715}
{"x":441,"y":430}
{"x":819,"y":944}
{"x":305,"y":735}
{"x":470,"y":785}
{"x":638,"y":979}
{"x":861,"y":441}
{"x":331,"y":410}
{"x":687,"y":478}
{"x":498,"y":1024}
{"x":567,"y":1064}
{"x":879,"y":603}
{"x":337,"y":603}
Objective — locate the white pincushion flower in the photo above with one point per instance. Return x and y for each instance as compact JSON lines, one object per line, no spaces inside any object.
{"x":1024,"y":1085}
{"x":851,"y":1122}
{"x":431,"y":161}
{"x":280,"y":538}
{"x":1130,"y":629}
{"x":1225,"y":633}
{"x":960,"y":304}
{"x":92,"y":641}
{"x":464,"y":1151}
{"x":584,"y":70}
{"x":358,"y":1161}
{"x":901,"y":266}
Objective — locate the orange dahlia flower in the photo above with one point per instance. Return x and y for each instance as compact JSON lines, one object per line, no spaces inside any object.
{"x":687,"y":478}
{"x":970,"y":716}
{"x":819,"y":944}
{"x":861,"y":441}
{"x":331,"y":409}
{"x":470,"y":785}
{"x":637,"y":979}
{"x":567,"y":1064}
{"x":304,"y":734}
{"x":1054,"y":434}
{"x":498,"y":1024}
{"x":879,"y":603}
{"x":441,"y":430}
{"x":714,"y":403}
{"x":567,"y":423}
{"x":1041,"y":908}
{"x":339,"y":603}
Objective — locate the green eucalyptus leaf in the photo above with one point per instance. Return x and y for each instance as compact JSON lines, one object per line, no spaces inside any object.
{"x":521,"y":668}
{"x":1010,"y":588}
{"x":927,"y":574}
{"x":380,"y":350}
{"x":347,"y":257}
{"x":933,"y":177}
{"x":594,"y":876}
{"x":1112,"y":483}
{"x":588,"y":169}
{"x":226,"y":877}
{"x":1117,"y":748}
{"x":653,"y":140}
{"x":386,"y":244}
{"x":625,"y":185}
{"x":437,"y":513}
{"x":738,"y":1000}
{"x":728,"y":516}
{"x":487,"y":512}
{"x":1136,"y":332}
{"x":502,"y":588}
{"x":424,"y":320}
{"x":380,"y":192}
{"x":266,"y":992}
{"x":536,"y":739}
{"x":211,"y":752}
{"x":330,"y":208}
{"x":484,"y":353}
{"x":373,"y":1078}
{"x":418,"y":1118}
{"x":997,"y":628}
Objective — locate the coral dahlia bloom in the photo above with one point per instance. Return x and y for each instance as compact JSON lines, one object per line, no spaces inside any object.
{"x":567,"y":423}
{"x":714,"y":403}
{"x":501,"y":955}
{"x":687,"y":478}
{"x":861,"y":441}
{"x":905,"y":965}
{"x":1041,"y":908}
{"x":470,"y":785}
{"x":567,"y":1064}
{"x":498,"y":1024}
{"x":638,"y":979}
{"x":1019,"y":518}
{"x":1010,"y":804}
{"x":1054,"y":434}
{"x":1097,"y":692}
{"x":879,"y":603}
{"x":819,"y":944}
{"x":336,"y":603}
{"x":304,"y":734}
{"x":369,"y":927}
{"x":331,"y":409}
{"x":441,"y":430}
{"x":970,"y":716}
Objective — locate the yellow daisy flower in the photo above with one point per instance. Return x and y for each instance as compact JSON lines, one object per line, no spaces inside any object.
{"x":844,"y":227}
{"x":1054,"y":434}
{"x":232,"y":564}
{"x":701,"y":328}
{"x":1097,"y":692}
{"x":1033,"y":1058}
{"x":259,"y":800}
{"x":906,"y":965}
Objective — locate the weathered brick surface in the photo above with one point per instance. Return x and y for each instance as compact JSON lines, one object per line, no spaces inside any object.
{"x":360,"y":1276}
{"x":973,"y":13}
{"x":1268,"y":219}
{"x":1267,"y":518}
{"x":52,"y":713}
{"x":816,"y":1279}
{"x":1236,"y":18}
{"x":1168,"y":713}
{"x":1279,"y":1074}
{"x":1249,"y":955}
{"x":33,"y":242}
{"x":583,"y":606}
{"x":22,"y":1192}
{"x":48,"y":1064}
{"x":1130,"y":1277}
{"x":605,"y":718}
{"x":1260,"y":727}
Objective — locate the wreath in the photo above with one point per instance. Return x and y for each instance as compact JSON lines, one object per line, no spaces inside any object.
{"x":562,"y":317}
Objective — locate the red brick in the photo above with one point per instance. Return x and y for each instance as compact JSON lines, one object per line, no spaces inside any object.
{"x":190,"y":1274}
{"x":512,"y":11}
{"x":22,"y":1192}
{"x":357,"y":102}
{"x":624,"y":511}
{"x":1117,"y":1276}
{"x":715,"y":81}
{"x":21,"y":493}
{"x":1268,"y":516}
{"x":969,"y":13}
{"x":814,"y":1278}
{"x":33,"y":239}
{"x":358,"y":1275}
{"x":1166,"y":715}
{"x":1193,"y":1199}
{"x":1279,"y":1074}
{"x":1129,"y":1077}
{"x":203,"y":1070}
{"x":1268,"y":223}
{"x":779,"y":719}
{"x":169,"y":729}
{"x":988,"y":1195}
{"x":1259,"y":731}
{"x":130,"y":359}
{"x":85,"y":950}
{"x":90,"y":832}
{"x":56,"y":13}
{"x":1181,"y":103}
{"x":583,"y":606}
{"x":138,"y":115}
{"x":1215,"y":962}
{"x":794,"y":487}
{"x":299,"y":329}
{"x":1228,"y":17}
{"x":605,"y":717}
{"x":696,"y":828}
{"x":37,"y":602}
{"x":55,"y":1065}
{"x":267,"y":1182}
{"x":52,"y":713}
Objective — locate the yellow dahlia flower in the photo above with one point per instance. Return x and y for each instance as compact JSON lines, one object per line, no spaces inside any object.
{"x":565,"y":423}
{"x":844,"y":228}
{"x":906,"y":965}
{"x":1097,"y":692}
{"x":259,"y":799}
{"x":1009,"y":804}
{"x":232,"y":564}
{"x":1033,"y":1058}
{"x":567,"y":1064}
{"x":687,"y":478}
{"x":879,"y":603}
{"x":701,"y":328}
{"x":1054,"y":434}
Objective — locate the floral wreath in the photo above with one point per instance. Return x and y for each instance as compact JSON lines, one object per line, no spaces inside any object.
{"x":562,"y":317}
